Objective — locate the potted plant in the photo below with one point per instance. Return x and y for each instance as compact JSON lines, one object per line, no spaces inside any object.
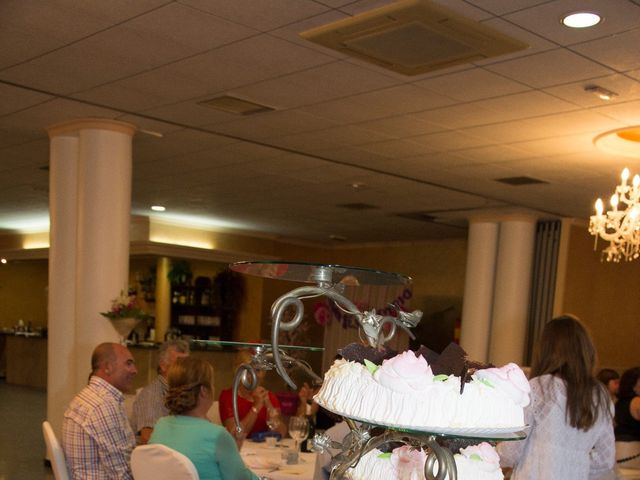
{"x":125,"y":313}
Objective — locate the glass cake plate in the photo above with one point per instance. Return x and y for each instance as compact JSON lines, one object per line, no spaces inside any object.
{"x":314,"y":273}
{"x":484,"y":433}
{"x":228,"y":343}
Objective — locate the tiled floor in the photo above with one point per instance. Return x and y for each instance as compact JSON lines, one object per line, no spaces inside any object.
{"x":22,"y":449}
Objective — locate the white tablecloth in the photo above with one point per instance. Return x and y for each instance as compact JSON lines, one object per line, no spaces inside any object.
{"x":267,"y":461}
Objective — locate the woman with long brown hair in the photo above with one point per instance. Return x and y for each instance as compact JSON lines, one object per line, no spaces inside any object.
{"x":570,"y":433}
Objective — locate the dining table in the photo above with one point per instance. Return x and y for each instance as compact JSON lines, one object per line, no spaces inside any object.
{"x":269,"y":461}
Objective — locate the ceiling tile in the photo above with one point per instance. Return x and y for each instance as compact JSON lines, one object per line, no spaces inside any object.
{"x":626,"y":112}
{"x":620,"y":53}
{"x":273,"y":124}
{"x":396,"y":148}
{"x":14,"y":99}
{"x":549,"y":68}
{"x":485,"y":84}
{"x":264,"y":15}
{"x":402,"y":126}
{"x":524,"y":105}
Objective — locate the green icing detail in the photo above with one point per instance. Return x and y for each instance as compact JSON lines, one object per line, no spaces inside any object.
{"x":372,"y":367}
{"x":486,"y":382}
{"x":384,"y":455}
{"x":475,"y":456}
{"x":440,"y":378}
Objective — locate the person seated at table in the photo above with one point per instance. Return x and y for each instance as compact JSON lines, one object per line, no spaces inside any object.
{"x":254,"y":408}
{"x":627,"y":419}
{"x":610,"y":379}
{"x":149,"y":405}
{"x":187,"y":429}
{"x":322,"y":418}
{"x":96,"y":436}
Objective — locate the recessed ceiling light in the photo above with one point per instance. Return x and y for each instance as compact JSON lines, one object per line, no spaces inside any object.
{"x":158,"y":208}
{"x":3,"y":260}
{"x":601,"y":93}
{"x":581,"y":19}
{"x":624,"y":141}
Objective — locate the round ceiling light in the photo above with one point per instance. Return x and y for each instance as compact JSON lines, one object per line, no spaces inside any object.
{"x":581,"y":19}
{"x":623,"y":141}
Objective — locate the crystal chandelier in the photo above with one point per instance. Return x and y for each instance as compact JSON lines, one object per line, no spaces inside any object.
{"x":620,"y":226}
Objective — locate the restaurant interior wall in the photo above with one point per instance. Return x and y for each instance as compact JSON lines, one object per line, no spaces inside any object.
{"x":605,"y":296}
{"x":23,"y":293}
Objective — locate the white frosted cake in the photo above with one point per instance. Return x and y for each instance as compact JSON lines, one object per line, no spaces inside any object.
{"x":478,"y":462}
{"x":403,"y":392}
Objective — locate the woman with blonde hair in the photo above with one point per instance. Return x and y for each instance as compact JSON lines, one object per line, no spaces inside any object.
{"x":188,"y":430}
{"x":570,"y":433}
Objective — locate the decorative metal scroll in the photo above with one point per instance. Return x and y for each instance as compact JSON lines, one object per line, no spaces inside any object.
{"x":439,"y":463}
{"x":262,"y":359}
{"x":372,"y":324}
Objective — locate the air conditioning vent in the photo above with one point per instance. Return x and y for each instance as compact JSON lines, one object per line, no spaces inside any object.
{"x":413,"y":37}
{"x":519,"y":181}
{"x":420,"y":216}
{"x":357,"y":206}
{"x":230,"y":104}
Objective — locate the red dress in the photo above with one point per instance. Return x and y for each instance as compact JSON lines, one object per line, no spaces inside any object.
{"x":226,"y":409}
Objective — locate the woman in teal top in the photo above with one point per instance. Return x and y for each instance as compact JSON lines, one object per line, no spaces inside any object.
{"x":210,"y":447}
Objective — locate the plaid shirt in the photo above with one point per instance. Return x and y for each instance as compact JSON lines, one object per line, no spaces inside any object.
{"x":96,"y":436}
{"x":148,"y":406}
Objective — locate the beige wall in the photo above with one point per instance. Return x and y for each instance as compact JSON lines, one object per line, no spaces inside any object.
{"x":605,"y":296}
{"x":23,"y":293}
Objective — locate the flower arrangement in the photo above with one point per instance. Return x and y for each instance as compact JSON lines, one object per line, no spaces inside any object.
{"x":125,"y":306}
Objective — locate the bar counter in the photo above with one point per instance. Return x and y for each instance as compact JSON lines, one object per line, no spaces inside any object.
{"x":26,"y":360}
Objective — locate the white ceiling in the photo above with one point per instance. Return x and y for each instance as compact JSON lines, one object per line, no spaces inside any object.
{"x":432,"y":144}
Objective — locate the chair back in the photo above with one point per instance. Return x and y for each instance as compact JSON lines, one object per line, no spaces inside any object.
{"x":214,"y":413}
{"x":55,"y":452}
{"x":159,"y":462}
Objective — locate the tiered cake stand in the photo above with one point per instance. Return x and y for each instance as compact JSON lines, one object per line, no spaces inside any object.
{"x":330,"y":281}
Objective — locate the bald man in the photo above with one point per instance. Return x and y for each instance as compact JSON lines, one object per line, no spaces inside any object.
{"x":96,"y":436}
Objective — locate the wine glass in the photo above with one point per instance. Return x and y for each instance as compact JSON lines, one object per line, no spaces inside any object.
{"x":273,"y":419}
{"x":298,"y":429}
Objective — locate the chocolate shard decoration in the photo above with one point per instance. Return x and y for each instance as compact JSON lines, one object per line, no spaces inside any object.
{"x":452,"y":361}
{"x":356,"y":352}
{"x":429,"y":355}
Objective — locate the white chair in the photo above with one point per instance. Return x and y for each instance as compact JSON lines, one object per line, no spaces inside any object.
{"x":55,"y":453}
{"x":214,"y":413}
{"x":158,"y":462}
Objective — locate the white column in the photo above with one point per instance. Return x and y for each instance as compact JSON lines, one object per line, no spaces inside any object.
{"x":478,"y":288}
{"x":104,"y":204}
{"x":90,"y":244}
{"x":63,"y":175}
{"x":163,"y":298}
{"x":512,"y":289}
